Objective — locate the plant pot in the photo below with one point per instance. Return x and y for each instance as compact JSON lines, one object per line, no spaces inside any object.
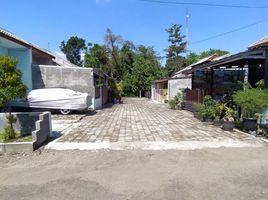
{"x":228,"y":126}
{"x":217,"y":123}
{"x":207,"y":119}
{"x":178,"y":107}
{"x":249,"y":124}
{"x":196,"y":114}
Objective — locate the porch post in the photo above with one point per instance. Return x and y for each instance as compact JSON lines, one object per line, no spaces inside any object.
{"x":211,"y":81}
{"x":266,"y":69}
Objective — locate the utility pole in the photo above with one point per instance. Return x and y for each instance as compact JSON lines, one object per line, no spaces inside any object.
{"x":187,"y":29}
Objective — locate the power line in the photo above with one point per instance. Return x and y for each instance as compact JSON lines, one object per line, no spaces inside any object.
{"x":229,"y":32}
{"x":205,"y":4}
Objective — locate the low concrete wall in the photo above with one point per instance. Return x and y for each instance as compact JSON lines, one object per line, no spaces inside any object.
{"x":43,"y":129}
{"x":25,"y":121}
{"x":39,"y":125}
{"x":15,"y":147}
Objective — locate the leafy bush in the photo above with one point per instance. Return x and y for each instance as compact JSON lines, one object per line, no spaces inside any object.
{"x":10,"y":81}
{"x":178,"y":97}
{"x":208,"y":108}
{"x":11,"y":88}
{"x":228,"y":114}
{"x":172,"y":103}
{"x":251,"y":101}
{"x":260,"y":84}
{"x":120,"y":88}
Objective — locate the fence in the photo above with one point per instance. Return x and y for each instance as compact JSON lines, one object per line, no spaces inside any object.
{"x":160,"y":95}
{"x":196,"y":95}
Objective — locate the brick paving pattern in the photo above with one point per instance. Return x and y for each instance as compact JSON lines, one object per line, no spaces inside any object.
{"x":141,"y":120}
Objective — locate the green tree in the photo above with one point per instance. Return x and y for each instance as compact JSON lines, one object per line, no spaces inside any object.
{"x":210,"y":52}
{"x":194,"y":57}
{"x":73,"y":49}
{"x":113,"y":43}
{"x":97,"y":57}
{"x":175,"y":60}
{"x":127,"y":54}
{"x":11,"y":88}
{"x":146,"y":68}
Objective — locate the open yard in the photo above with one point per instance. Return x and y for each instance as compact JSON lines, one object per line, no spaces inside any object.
{"x":142,"y":124}
{"x":161,"y":154}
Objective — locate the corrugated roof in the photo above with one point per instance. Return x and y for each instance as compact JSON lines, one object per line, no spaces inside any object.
{"x":10,"y":35}
{"x":207,"y":59}
{"x":259,"y":43}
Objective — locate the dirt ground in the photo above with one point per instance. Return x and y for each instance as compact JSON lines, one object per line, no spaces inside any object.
{"x":211,"y":174}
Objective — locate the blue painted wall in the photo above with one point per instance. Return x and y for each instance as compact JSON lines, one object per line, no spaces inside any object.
{"x":24,"y":58}
{"x":3,"y":51}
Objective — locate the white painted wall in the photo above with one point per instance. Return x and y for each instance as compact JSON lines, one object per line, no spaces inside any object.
{"x":97,"y":102}
{"x":176,"y":85}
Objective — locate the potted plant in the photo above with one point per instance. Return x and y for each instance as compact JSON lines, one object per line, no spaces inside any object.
{"x":197,"y":110}
{"x":251,"y":102}
{"x":208,"y":109}
{"x":172,"y":104}
{"x":228,"y":119}
{"x":178,"y":100}
{"x":219,"y":111}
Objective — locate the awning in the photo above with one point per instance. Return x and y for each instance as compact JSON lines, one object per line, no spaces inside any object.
{"x":231,"y":60}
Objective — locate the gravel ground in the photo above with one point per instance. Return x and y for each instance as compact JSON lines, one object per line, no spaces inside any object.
{"x":211,"y":174}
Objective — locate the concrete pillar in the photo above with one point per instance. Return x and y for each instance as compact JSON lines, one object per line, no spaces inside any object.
{"x":266,"y":69}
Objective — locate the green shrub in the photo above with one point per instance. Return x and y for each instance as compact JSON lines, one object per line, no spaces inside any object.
{"x":260,"y":84}
{"x":251,"y":101}
{"x":172,"y":103}
{"x":178,"y":97}
{"x":208,"y":108}
{"x":228,"y":114}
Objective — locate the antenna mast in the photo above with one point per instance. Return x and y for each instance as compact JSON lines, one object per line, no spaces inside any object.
{"x":187,"y":29}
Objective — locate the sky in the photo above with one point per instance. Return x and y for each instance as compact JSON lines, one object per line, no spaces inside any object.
{"x":48,"y":22}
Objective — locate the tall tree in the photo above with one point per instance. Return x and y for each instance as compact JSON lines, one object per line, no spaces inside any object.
{"x":73,"y":49}
{"x":146,"y":68}
{"x":97,"y":57}
{"x":218,"y":52}
{"x":127,"y":54}
{"x":175,"y":60}
{"x":194,"y":57}
{"x":113,"y":43}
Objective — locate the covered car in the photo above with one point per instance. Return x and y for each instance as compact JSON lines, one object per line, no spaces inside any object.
{"x":64,"y":100}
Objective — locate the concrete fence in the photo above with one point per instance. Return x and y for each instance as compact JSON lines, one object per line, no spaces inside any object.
{"x":43,"y":129}
{"x":35,"y":123}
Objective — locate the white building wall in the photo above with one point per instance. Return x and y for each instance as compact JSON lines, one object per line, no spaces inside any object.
{"x":97,"y":102}
{"x":176,"y":85}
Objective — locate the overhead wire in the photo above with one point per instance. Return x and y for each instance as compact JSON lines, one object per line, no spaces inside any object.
{"x":231,"y":31}
{"x":206,"y":4}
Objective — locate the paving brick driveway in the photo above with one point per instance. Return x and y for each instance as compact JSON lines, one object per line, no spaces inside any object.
{"x":140,"y":120}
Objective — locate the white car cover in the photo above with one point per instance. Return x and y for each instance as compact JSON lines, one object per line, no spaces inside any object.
{"x":56,"y":98}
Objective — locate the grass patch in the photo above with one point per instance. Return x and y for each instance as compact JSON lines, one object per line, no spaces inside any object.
{"x":18,"y":138}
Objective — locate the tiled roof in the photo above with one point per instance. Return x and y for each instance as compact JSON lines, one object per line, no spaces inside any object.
{"x":259,"y":43}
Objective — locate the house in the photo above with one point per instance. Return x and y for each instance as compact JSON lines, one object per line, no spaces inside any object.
{"x":42,"y":69}
{"x":166,"y":89}
{"x":159,"y":90}
{"x":220,"y":76}
{"x":26,"y":54}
